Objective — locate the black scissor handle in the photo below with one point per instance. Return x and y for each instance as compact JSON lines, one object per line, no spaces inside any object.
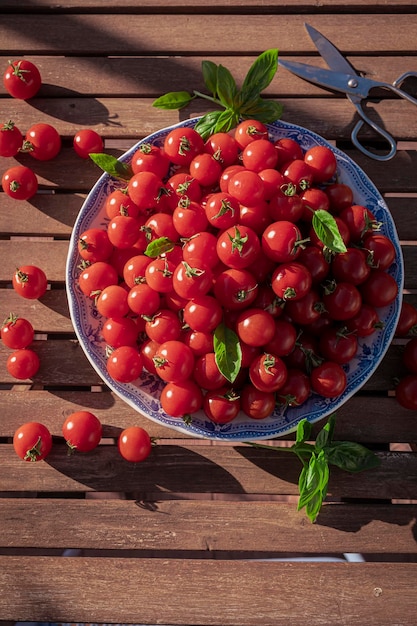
{"x":380,"y":131}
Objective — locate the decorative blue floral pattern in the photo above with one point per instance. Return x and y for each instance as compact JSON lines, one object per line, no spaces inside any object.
{"x":144,"y":394}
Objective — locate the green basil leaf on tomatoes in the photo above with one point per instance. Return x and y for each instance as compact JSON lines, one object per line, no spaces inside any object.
{"x":226,"y":87}
{"x":159,"y":246}
{"x":266,"y":111}
{"x":326,"y":229}
{"x":260,"y":74}
{"x":209,"y":70}
{"x":227,"y":352}
{"x":111,"y":165}
{"x":173,"y":100}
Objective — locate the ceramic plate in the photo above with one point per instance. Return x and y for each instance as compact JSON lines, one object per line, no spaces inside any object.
{"x":143,"y":394}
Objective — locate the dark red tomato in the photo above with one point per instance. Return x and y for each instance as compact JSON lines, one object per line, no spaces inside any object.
{"x":299,"y":173}
{"x":159,"y":274}
{"x":249,"y":130}
{"x":340,"y":197}
{"x":203,"y":313}
{"x":257,"y":404}
{"x":343,"y":232}
{"x":287,"y":206}
{"x":313,"y":199}
{"x":296,"y":389}
{"x":268,"y":372}
{"x":165,"y":325}
{"x":192,"y":281}
{"x":273,"y":180}
{"x":82,"y":431}
{"x":407,"y":322}
{"x":235,"y":289}
{"x":30,"y":282}
{"x":268,"y":300}
{"x":221,"y":405}
{"x":189,"y":218}
{"x":328,"y":379}
{"x":360,"y":221}
{"x":32,"y":441}
{"x":259,"y":155}
{"x":283,"y":341}
{"x":222,"y":210}
{"x":406,"y":392}
{"x":255,"y":327}
{"x":305,"y":354}
{"x":291,"y":281}
{"x":322,"y":161}
{"x":281,"y":241}
{"x":19,"y":182}
{"x":120,"y":331}
{"x":381,"y":250}
{"x":181,"y":399}
{"x":134,"y":269}
{"x":238,"y":247}
{"x":314,"y":258}
{"x":134,"y":444}
{"x":183,"y":184}
{"x":247,"y":187}
{"x":112,"y":301}
{"x":181,"y":145}
{"x":148,"y":350}
{"x":11,"y":139}
{"x":338,"y":345}
{"x":201,"y":248}
{"x":205,"y":169}
{"x":206,"y":372}
{"x":94,"y":278}
{"x":307,"y":309}
{"x":342,"y":300}
{"x":125,"y":364}
{"x":143,"y":300}
{"x":143,"y":189}
{"x":87,"y":141}
{"x":174,"y":361}
{"x":410,"y":356}
{"x":22,"y":79}
{"x":255,"y":217}
{"x":199,"y":341}
{"x":17,"y":332}
{"x":150,"y":158}
{"x":94,"y":245}
{"x":364,"y":323}
{"x":119,"y":203}
{"x":42,"y":142}
{"x":224,"y":147}
{"x":23,"y":364}
{"x":379,"y":289}
{"x":351,"y":266}
{"x":288,"y":149}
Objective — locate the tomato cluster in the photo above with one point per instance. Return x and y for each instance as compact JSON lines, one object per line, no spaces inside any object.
{"x":221,"y":233}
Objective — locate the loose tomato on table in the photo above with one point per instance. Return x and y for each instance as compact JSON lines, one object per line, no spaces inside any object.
{"x":32,"y":441}
{"x":22,"y":79}
{"x":407,"y":322}
{"x":17,"y":332}
{"x":42,"y":141}
{"x":23,"y":363}
{"x":30,"y":282}
{"x":134,"y":444}
{"x":87,"y":141}
{"x":406,"y":392}
{"x":19,"y":182}
{"x":11,"y":139}
{"x":409,"y":355}
{"x":82,"y":431}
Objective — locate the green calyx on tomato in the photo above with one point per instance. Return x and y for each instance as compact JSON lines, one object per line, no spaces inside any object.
{"x":35,"y":452}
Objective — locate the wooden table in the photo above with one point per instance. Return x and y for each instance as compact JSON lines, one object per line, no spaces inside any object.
{"x":182,"y":538}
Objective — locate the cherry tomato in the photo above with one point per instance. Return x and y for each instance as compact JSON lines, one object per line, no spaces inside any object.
{"x":32,"y":441}
{"x":125,"y":364}
{"x":340,"y":197}
{"x":199,"y":341}
{"x":192,"y":281}
{"x":381,"y":250}
{"x":206,"y":372}
{"x":351,"y":266}
{"x":182,"y":398}
{"x":273,"y":180}
{"x":410,"y":355}
{"x":19,"y":182}
{"x":23,"y":364}
{"x":288,"y":149}
{"x":259,"y":155}
{"x":143,"y":300}
{"x":235,"y":289}
{"x":222,"y":210}
{"x":313,"y":199}
{"x":134,"y":444}
{"x":189,"y":218}
{"x":123,"y":231}
{"x":257,"y":404}
{"x":338,"y":345}
{"x":183,"y":184}
{"x":165,"y":325}
{"x":203,"y":313}
{"x":201,"y":248}
{"x":256,"y":327}
{"x":221,"y":405}
{"x":10,"y":139}
{"x":150,"y":158}
{"x":407,"y":321}
{"x":112,"y":301}
{"x":94,"y":245}
{"x":247,"y":187}
{"x":87,"y":141}
{"x":30,"y":282}
{"x":296,"y":389}
{"x":181,"y":145}
{"x":305,"y":310}
{"x":95,"y":277}
{"x":284,"y":339}
{"x":328,"y":379}
{"x":322,"y":161}
{"x":42,"y":142}
{"x":224,"y":146}
{"x":281,"y":241}
{"x":206,"y":169}
{"x":406,"y":392}
{"x":134,"y":269}
{"x":22,"y":79}
{"x":174,"y":361}
{"x":82,"y":431}
{"x":238,"y":247}
{"x":143,"y":189}
{"x":249,"y":130}
{"x":379,"y":289}
{"x":299,"y":173}
{"x":286,"y":206}
{"x":291,"y":281}
{"x":342,"y":300}
{"x":365,"y":322}
{"x":17,"y":332}
{"x":120,"y":331}
{"x":268,"y":372}
{"x":118,"y":202}
{"x":360,"y":221}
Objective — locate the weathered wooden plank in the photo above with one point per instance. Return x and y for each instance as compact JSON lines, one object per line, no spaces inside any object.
{"x":201,"y":469}
{"x":50,"y":314}
{"x":247,"y":592}
{"x":49,"y":255}
{"x":150,"y":34}
{"x":263,"y":527}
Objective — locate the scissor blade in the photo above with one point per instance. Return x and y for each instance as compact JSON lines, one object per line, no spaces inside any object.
{"x":334,"y":59}
{"x":335,"y":81}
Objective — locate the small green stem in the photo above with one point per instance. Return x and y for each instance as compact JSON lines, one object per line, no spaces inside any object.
{"x":206,"y":97}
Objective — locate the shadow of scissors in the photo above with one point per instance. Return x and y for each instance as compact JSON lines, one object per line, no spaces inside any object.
{"x":342,"y":77}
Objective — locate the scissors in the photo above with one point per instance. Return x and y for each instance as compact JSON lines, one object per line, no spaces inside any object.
{"x":342,"y":77}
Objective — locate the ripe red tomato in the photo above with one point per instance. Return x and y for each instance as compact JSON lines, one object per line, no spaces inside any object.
{"x":124,"y":231}
{"x":238,"y":247}
{"x":120,"y":331}
{"x":340,"y":197}
{"x":288,"y":149}
{"x":235,"y":289}
{"x":10,"y":139}
{"x":203,"y":313}
{"x":42,"y":142}
{"x":19,"y":182}
{"x":247,"y":187}
{"x":174,"y":361}
{"x":143,"y":189}
{"x":112,"y":301}
{"x":206,"y":372}
{"x":322,"y":161}
{"x":299,"y":173}
{"x":410,"y":355}
{"x":95,"y":277}
{"x":296,"y":389}
{"x":143,"y":300}
{"x":407,"y":322}
{"x":17,"y":332}
{"x":30,"y":282}
{"x":259,"y":155}
{"x":224,"y":146}
{"x":328,"y":379}
{"x":94,"y":245}
{"x":221,"y":405}
{"x":351,"y":266}
{"x":87,"y":141}
{"x":281,"y":241}
{"x":360,"y":221}
{"x":291,"y":281}
{"x":249,"y":130}
{"x":192,"y":281}
{"x":342,"y":300}
{"x":134,"y":444}
{"x":201,"y":248}
{"x":379,"y":289}
{"x":182,"y":398}
{"x":406,"y":392}
{"x":23,"y":364}
{"x":255,"y":327}
{"x":32,"y":441}
{"x":22,"y":79}
{"x":165,"y":325}
{"x":338,"y":345}
{"x":150,"y":158}
{"x":181,"y":145}
{"x":257,"y":404}
{"x":189,"y":218}
{"x":222,"y":210}
{"x":268,"y":372}
{"x":206,"y":169}
{"x":125,"y":364}
{"x":381,"y":250}
{"x":82,"y":431}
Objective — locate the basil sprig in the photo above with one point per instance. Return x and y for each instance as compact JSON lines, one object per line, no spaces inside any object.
{"x":316,"y":459}
{"x":237,"y":104}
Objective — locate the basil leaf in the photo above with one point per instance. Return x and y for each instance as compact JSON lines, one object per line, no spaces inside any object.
{"x":228,"y":353}
{"x":309,"y":481}
{"x":226,"y":87}
{"x":313,"y":506}
{"x":111,"y":165}
{"x":266,"y":111}
{"x":207,"y":124}
{"x":159,"y":246}
{"x":351,"y":457}
{"x":209,"y":70}
{"x":173,"y":100}
{"x":260,"y":74}
{"x":326,"y":229}
{"x":303,"y":431}
{"x":227,"y":120}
